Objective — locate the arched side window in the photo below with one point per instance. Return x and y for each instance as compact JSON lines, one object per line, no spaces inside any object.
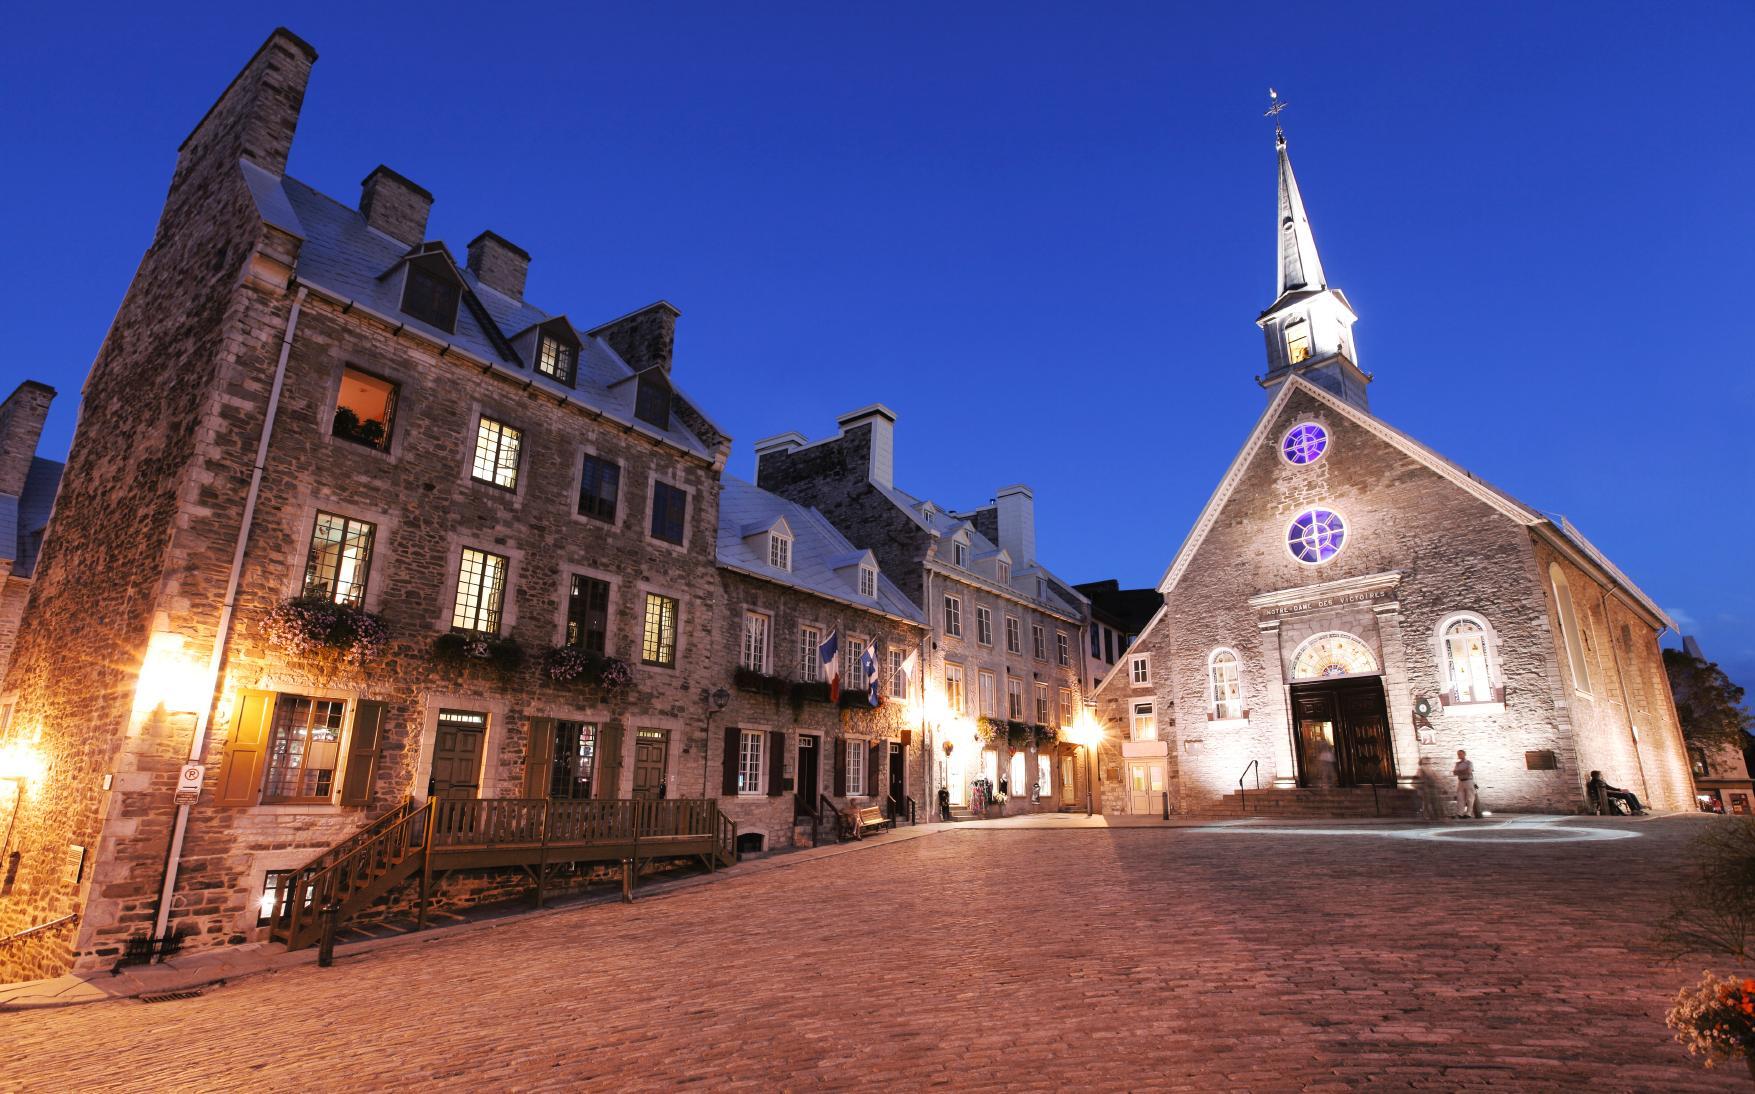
{"x":1468,"y":660}
{"x":1224,"y":686}
{"x":1572,"y":637}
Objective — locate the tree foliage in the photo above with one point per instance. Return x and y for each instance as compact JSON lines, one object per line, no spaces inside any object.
{"x":1709,"y":705}
{"x":1713,"y":911}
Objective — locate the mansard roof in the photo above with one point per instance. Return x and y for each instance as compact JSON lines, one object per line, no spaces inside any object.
{"x":819,"y":551}
{"x":342,"y":257}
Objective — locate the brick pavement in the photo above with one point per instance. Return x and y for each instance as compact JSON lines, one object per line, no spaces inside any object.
{"x":986,"y":956}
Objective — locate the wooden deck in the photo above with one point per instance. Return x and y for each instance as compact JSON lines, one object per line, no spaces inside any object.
{"x":424,"y":840}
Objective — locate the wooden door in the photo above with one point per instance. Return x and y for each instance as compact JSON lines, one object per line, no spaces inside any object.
{"x":1069,"y":789}
{"x":808,"y":767}
{"x":651,"y":755}
{"x":1365,"y":756}
{"x":1139,"y":787}
{"x":897,"y":777}
{"x":457,"y":749}
{"x":1313,"y":728}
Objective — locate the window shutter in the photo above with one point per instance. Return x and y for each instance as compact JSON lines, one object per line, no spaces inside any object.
{"x":609,"y":760}
{"x":733,"y":742}
{"x":539,"y":758}
{"x":240,"y":772}
{"x":362,"y":752}
{"x":841,"y":768}
{"x":871,"y":773}
{"x":776,"y":763}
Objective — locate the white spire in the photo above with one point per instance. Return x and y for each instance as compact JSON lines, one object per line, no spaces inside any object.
{"x":1300,"y":265}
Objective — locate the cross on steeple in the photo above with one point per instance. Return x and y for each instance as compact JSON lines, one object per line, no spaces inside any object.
{"x":1275,"y":105}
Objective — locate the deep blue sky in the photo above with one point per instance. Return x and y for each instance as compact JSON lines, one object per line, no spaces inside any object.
{"x":1039,"y":232}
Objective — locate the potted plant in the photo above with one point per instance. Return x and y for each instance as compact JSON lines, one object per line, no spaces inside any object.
{"x":760,"y":682}
{"x":315,"y":626}
{"x":572,"y":665}
{"x":464,"y":649}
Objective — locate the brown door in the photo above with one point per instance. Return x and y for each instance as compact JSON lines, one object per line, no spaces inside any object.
{"x":1342,"y":733}
{"x":1313,"y":721}
{"x":807,"y":775}
{"x":651,"y":751}
{"x":1365,"y":756}
{"x":457,"y":754}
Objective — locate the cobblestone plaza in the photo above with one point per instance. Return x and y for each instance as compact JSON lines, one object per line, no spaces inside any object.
{"x":1040,"y":953}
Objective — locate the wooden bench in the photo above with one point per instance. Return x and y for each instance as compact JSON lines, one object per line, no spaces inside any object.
{"x":855,"y":822}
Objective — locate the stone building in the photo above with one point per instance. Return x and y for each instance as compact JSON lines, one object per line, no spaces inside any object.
{"x":27,"y":495}
{"x":1117,"y":617}
{"x":791,"y":584}
{"x":1351,"y":608}
{"x":1003,"y":664}
{"x":345,"y":523}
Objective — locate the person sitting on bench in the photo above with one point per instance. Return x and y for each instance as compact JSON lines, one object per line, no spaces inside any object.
{"x":1602,"y":795}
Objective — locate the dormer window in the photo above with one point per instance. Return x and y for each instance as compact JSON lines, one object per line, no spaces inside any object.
{"x":430,"y":297}
{"x":652,"y":401}
{"x":960,"y":553}
{"x":555,"y":359}
{"x":1297,"y":342}
{"x":868,"y":581}
{"x":779,"y":551}
{"x":1003,"y":570}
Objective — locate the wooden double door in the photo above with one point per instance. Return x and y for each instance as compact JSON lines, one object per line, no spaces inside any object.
{"x":1341,"y":730}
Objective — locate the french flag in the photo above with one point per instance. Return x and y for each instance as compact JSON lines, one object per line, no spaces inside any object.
{"x":868,"y":665}
{"x":829,"y":656}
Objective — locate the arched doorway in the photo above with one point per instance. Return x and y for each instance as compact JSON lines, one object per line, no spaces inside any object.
{"x":1340,"y":723}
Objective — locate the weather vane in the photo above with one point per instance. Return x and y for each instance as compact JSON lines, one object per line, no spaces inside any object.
{"x":1273,"y":111}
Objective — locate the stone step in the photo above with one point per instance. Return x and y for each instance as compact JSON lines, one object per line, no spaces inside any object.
{"x":1323,"y":802}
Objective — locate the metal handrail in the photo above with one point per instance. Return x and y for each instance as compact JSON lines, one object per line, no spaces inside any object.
{"x":816,"y":824}
{"x":1242,"y":794}
{"x":39,"y":928}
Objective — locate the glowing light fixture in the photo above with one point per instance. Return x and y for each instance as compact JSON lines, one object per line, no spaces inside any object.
{"x":169,"y":677}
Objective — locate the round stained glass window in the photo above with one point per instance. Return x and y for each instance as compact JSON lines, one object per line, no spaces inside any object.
{"x":1304,"y":443}
{"x":1316,"y":535}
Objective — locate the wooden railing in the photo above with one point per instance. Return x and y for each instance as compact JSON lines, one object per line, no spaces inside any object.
{"x":340,"y":878}
{"x":471,"y":823}
{"x":360,"y":838}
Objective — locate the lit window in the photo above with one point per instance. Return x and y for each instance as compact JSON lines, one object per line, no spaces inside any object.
{"x":1316,"y":535}
{"x":588,"y":613}
{"x":853,"y":665}
{"x":1139,"y":670}
{"x":1062,"y":652}
{"x":430,"y":297}
{"x":575,"y":752}
{"x":856,"y":753}
{"x":341,"y":556}
{"x":658,"y":635}
{"x":1013,"y":642}
{"x":481,"y":590}
{"x":304,"y":750}
{"x":1041,"y":704}
{"x":1014,"y":698}
{"x":988,"y":707}
{"x":779,"y":552}
{"x":984,"y":625}
{"x":1039,"y":641}
{"x":955,"y":696}
{"x":669,"y":505}
{"x":749,"y":762}
{"x":1003,"y":570}
{"x":599,"y":483}
{"x":274,"y":895}
{"x":809,"y":664}
{"x":1017,"y":788}
{"x":1304,"y":443}
{"x":1226,"y":691}
{"x":364,"y":409}
{"x":555,"y":359}
{"x":1145,"y":722}
{"x":496,"y":453}
{"x":1569,"y":631}
{"x":755,"y":642}
{"x":1298,"y":343}
{"x":953,"y":616}
{"x":1466,"y":661}
{"x":868,"y":582}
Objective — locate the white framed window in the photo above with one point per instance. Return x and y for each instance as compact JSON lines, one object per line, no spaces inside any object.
{"x":960,"y":553}
{"x":1224,"y":690}
{"x":1002,"y":570}
{"x":1039,"y":641}
{"x":1066,"y":708}
{"x":1014,"y":698}
{"x":1062,"y":650}
{"x":1574,"y":638}
{"x":755,"y":642}
{"x":984,"y":625}
{"x":868,"y":582}
{"x":1145,"y":722}
{"x":953,"y":616}
{"x":956,"y":696}
{"x":780,"y":551}
{"x":1013,"y":642}
{"x":989,"y":704}
{"x":1297,"y":342}
{"x":750,"y":748}
{"x":853,"y":665}
{"x":1019,"y":785}
{"x":481,"y":591}
{"x":856,"y":755}
{"x":1044,"y":775}
{"x":1041,"y":704}
{"x":809,"y":668}
{"x":496,"y":453}
{"x":554,"y":359}
{"x":1466,"y":657}
{"x":1139,"y":670}
{"x":897,"y":686}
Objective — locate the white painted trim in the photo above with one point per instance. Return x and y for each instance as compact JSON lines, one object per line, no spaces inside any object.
{"x":1495,"y":678}
{"x":1319,"y":507}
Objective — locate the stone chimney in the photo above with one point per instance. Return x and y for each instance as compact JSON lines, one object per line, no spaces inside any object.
{"x":255,"y":116}
{"x":882,"y":420}
{"x":1016,"y":512}
{"x":395,"y":206}
{"x":499,"y":264}
{"x":643,"y":338}
{"x":21,"y":424}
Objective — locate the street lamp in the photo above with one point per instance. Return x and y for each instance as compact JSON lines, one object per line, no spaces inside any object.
{"x":716,"y":702}
{"x":1087,"y":732}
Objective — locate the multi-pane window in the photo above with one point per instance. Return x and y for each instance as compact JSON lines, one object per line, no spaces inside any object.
{"x":868,"y":582}
{"x":953,"y":616}
{"x":658,"y":634}
{"x":652,"y":401}
{"x":1465,"y":657}
{"x":1066,"y":708}
{"x":588,"y":613}
{"x":955,"y":696}
{"x":1003,"y":570}
{"x":1297,"y":343}
{"x":984,"y":625}
{"x":780,"y":552}
{"x":575,"y":753}
{"x":496,"y":453}
{"x":599,"y":483}
{"x":1227,"y":692}
{"x":1041,"y":704}
{"x":1014,"y":698}
{"x":1039,"y":641}
{"x":853,"y":665}
{"x":749,"y":762}
{"x":304,"y":748}
{"x":341,"y":556}
{"x":1145,"y":722}
{"x":1569,"y":631}
{"x":810,"y":667}
{"x":898,"y":688}
{"x":755,"y":642}
{"x":1062,"y":652}
{"x":431,"y":298}
{"x":1097,"y":641}
{"x":856,"y":754}
{"x":274,"y":893}
{"x":1013,"y":643}
{"x":365,"y":409}
{"x":1139,"y":670}
{"x":669,"y":505}
{"x":481,"y":591}
{"x":960,"y":553}
{"x":555,"y":358}
{"x":988,"y":706}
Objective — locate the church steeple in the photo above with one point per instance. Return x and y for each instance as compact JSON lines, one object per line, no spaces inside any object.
{"x":1309,"y":326}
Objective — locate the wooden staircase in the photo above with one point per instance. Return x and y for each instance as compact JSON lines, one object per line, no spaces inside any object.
{"x":1331,"y":802}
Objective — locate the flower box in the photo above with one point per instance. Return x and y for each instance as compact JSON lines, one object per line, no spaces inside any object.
{"x":572,"y":665}
{"x":315,"y":626}
{"x":461,"y":649}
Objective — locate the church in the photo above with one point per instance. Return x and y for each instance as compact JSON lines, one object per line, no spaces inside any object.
{"x":1351,"y":608}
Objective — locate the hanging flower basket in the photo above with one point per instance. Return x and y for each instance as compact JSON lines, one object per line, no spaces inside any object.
{"x":858,"y":700}
{"x":572,"y":665}
{"x":462,"y":650}
{"x":814,"y":691}
{"x":315,"y":626}
{"x":760,"y":683}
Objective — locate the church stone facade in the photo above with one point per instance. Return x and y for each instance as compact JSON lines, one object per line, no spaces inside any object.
{"x":1351,"y":609}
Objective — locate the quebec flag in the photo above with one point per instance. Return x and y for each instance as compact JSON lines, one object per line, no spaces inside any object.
{"x":829,"y":657}
{"x":868,"y":665}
